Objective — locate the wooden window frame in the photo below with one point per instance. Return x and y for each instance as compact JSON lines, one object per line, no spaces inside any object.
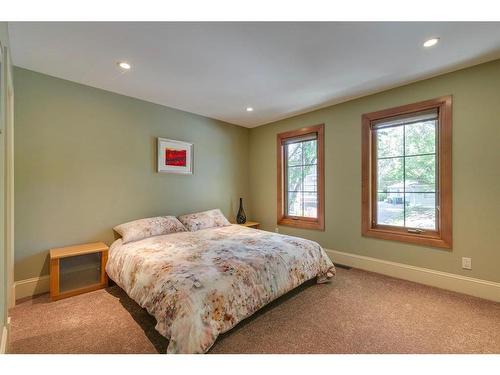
{"x":300,"y":221}
{"x":442,"y":237}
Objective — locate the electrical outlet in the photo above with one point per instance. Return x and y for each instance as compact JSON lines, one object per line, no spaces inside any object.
{"x":277,"y":230}
{"x":467,"y":263}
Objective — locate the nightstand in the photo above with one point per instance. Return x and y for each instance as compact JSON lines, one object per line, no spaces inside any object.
{"x":77,"y":269}
{"x":251,"y":224}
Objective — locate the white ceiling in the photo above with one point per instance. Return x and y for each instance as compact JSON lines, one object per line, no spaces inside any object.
{"x":279,"y":69}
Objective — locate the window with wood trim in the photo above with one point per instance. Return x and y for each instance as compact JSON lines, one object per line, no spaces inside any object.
{"x":300,"y":156}
{"x":406,"y":173}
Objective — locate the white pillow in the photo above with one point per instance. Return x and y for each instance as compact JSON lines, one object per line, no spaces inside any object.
{"x":203,"y":220}
{"x":153,"y":226}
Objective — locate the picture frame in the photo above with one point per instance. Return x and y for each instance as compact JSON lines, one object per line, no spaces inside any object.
{"x":174,"y":156}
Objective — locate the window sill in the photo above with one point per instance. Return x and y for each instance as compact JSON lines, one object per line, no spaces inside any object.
{"x":417,"y":239}
{"x":302,"y":223}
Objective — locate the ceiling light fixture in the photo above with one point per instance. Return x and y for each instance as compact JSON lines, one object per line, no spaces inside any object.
{"x":124,"y":65}
{"x":431,"y":42}
{"x":249,"y":109}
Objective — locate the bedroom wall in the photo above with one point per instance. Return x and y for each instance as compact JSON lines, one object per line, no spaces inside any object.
{"x":6,"y":127}
{"x":3,"y":270}
{"x":476,"y":173}
{"x":85,"y":162}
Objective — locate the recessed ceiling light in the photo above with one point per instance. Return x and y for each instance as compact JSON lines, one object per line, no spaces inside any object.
{"x":431,"y":42}
{"x":249,"y":109}
{"x":124,"y":65}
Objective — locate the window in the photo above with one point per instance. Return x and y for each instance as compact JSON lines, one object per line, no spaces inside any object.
{"x":301,"y":178}
{"x":406,"y":173}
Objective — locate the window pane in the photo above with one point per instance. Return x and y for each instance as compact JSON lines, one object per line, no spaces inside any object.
{"x":390,"y":211}
{"x":309,"y":149}
{"x":390,"y":175}
{"x":421,"y":210}
{"x":294,"y":153}
{"x":310,"y":204}
{"x":390,"y":142}
{"x":310,"y":178}
{"x":420,"y":138}
{"x":294,"y":178}
{"x":295,"y":204}
{"x":420,"y":173}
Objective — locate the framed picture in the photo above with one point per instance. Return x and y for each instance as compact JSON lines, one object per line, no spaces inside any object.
{"x":175,"y":156}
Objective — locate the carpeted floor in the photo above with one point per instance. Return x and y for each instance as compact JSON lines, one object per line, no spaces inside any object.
{"x":360,"y":312}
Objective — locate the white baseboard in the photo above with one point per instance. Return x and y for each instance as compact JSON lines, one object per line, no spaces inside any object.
{"x":31,"y":287}
{"x":467,"y":285}
{"x":4,"y":340}
{"x":444,"y":280}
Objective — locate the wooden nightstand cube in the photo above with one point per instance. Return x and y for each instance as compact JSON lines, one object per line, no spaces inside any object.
{"x":78,"y":269}
{"x":251,"y":224}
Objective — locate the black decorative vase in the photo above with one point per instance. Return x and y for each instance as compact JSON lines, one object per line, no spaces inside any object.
{"x":241,"y":218}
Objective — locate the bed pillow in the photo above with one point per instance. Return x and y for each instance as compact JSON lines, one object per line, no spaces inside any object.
{"x":153,"y":226}
{"x":203,"y":220}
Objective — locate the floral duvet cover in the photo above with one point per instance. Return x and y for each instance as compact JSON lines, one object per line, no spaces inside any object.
{"x":201,"y":284}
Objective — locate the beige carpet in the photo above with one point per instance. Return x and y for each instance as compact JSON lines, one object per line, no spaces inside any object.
{"x":360,"y":312}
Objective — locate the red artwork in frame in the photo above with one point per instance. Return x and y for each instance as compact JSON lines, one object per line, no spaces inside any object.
{"x":175,"y":157}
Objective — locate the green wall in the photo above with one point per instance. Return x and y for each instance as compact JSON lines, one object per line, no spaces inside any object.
{"x":4,"y":40}
{"x":476,"y":173}
{"x":85,"y":162}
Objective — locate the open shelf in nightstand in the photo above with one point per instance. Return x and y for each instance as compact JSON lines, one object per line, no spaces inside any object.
{"x":77,"y":269}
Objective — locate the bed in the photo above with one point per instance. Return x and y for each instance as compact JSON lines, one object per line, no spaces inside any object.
{"x":200,"y":284}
